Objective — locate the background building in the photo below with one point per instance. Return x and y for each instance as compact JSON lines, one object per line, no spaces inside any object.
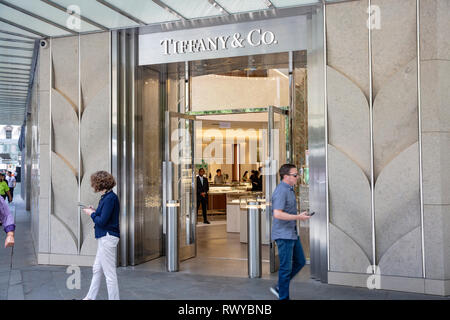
{"x":9,"y":148}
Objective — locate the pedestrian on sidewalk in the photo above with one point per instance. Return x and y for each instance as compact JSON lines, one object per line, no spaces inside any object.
{"x":106,"y":220}
{"x":7,"y":220}
{"x":284,"y":230}
{"x":4,"y":189}
{"x":11,"y":183}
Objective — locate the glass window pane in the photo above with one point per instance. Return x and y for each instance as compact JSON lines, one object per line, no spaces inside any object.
{"x":15,"y":59}
{"x":9,"y":28}
{"x":235,"y":6}
{"x":30,"y":22}
{"x":4,"y":35}
{"x":292,"y":3}
{"x":146,"y":11}
{"x":99,"y":13}
{"x":21,"y":54}
{"x":193,"y":8}
{"x":23,"y":69}
{"x":46,"y":11}
{"x":26,"y":46}
{"x":256,"y":82}
{"x":15,"y":52}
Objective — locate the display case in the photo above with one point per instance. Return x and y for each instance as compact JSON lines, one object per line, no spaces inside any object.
{"x":219,"y":193}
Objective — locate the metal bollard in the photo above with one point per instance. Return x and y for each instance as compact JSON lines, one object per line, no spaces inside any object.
{"x":172,"y":227}
{"x":254,"y":240}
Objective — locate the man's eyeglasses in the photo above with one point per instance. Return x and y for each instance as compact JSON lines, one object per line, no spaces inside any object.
{"x":295,"y":175}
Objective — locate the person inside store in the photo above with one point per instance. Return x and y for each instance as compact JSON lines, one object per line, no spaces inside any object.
{"x":245,"y":177}
{"x":7,"y":220}
{"x":4,"y":189}
{"x":260,"y":178}
{"x":253,"y":180}
{"x":284,"y":230}
{"x":11,"y":183}
{"x":218,"y":178}
{"x":202,"y":194}
{"x":256,"y":181}
{"x":107,"y":233}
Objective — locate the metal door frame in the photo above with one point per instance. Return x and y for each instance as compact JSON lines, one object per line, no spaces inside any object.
{"x":271,"y":180}
{"x":189,"y":248}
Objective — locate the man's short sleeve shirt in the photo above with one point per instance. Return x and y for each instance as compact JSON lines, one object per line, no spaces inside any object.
{"x":283,"y":198}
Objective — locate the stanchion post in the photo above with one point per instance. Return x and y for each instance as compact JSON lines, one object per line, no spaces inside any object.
{"x":172,"y":229}
{"x":254,"y":239}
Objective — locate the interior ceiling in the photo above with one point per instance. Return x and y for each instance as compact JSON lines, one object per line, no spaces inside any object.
{"x":22,"y":22}
{"x":236,"y":121}
{"x":244,"y":66}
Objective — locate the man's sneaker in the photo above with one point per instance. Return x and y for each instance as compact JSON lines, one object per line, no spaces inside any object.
{"x":207,"y":222}
{"x":274,"y":291}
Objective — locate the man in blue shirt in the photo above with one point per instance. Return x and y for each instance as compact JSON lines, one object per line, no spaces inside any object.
{"x":284,"y":230}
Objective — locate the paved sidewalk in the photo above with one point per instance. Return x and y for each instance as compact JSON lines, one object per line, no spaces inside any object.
{"x":29,"y":281}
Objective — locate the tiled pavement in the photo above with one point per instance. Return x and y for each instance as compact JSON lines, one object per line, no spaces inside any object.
{"x":29,"y":281}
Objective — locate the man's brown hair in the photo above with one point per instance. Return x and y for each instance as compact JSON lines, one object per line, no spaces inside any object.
{"x":286,"y":169}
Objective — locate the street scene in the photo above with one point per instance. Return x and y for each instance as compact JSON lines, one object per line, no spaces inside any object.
{"x":224,"y":151}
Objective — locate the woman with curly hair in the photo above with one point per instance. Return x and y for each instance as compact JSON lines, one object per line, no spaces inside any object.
{"x":106,"y":220}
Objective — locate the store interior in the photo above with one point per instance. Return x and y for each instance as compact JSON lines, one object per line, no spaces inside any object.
{"x":230,"y":99}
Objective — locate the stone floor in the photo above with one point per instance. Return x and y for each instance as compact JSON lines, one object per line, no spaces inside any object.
{"x":149,"y":281}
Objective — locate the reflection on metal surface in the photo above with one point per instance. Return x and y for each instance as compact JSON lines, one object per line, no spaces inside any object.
{"x":327,"y":190}
{"x":126,"y":140}
{"x":254,"y":240}
{"x":50,"y":194}
{"x":372,"y":178}
{"x":171,"y":205}
{"x":174,"y":81}
{"x":419,"y":112}
{"x":126,"y":14}
{"x":172,"y":236}
{"x":180,"y":140}
{"x":148,"y":221}
{"x":79,"y":147}
{"x":316,"y":143}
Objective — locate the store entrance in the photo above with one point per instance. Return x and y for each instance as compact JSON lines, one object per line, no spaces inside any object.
{"x":240,"y":152}
{"x":238,"y":119}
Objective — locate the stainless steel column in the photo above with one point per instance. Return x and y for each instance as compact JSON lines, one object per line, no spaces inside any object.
{"x":317,"y":142}
{"x":167,"y":189}
{"x":254,"y":240}
{"x":172,"y":243}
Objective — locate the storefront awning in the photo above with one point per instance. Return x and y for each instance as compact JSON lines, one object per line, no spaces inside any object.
{"x":23,"y":22}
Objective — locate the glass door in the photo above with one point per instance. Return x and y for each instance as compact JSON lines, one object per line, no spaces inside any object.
{"x":272,"y":151}
{"x":148,"y":154}
{"x":180,"y":178}
{"x":277,"y":152}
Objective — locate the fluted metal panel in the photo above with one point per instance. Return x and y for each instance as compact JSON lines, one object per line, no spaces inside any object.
{"x":173,"y":231}
{"x":50,"y":196}
{"x":419,"y":116}
{"x":132,"y":148}
{"x":123,"y":146}
{"x":372,"y":182}
{"x":79,"y":146}
{"x":254,"y":259}
{"x":317,"y":145}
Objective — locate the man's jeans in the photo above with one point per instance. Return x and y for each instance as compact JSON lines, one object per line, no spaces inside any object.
{"x":292,"y":260}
